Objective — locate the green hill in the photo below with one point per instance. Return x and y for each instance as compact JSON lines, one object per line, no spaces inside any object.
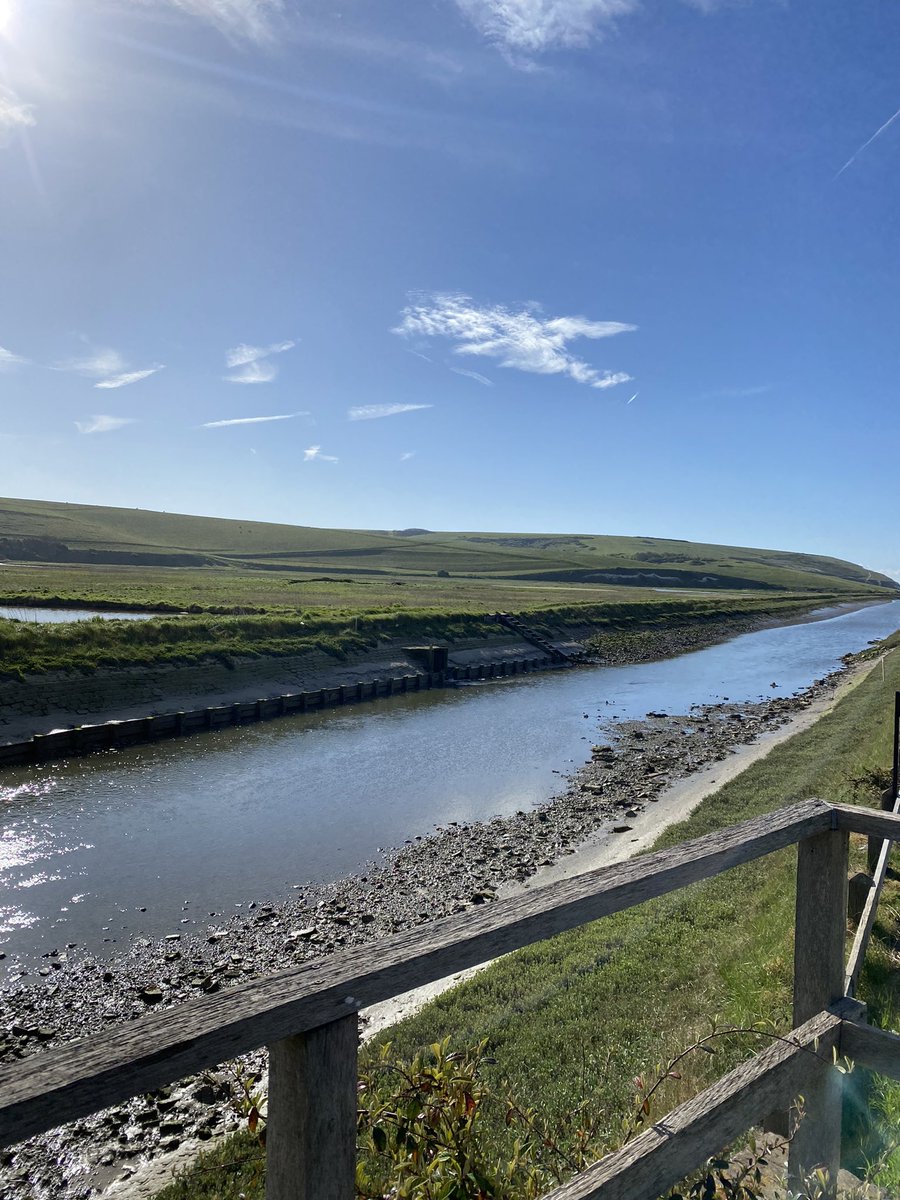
{"x":48,"y":532}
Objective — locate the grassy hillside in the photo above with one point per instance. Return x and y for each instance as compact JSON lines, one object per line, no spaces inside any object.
{"x":46,"y":532}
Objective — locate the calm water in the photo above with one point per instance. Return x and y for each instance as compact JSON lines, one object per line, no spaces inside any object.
{"x":62,"y":616}
{"x":222,"y":818}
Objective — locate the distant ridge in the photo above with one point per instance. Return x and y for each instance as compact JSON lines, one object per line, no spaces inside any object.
{"x":53,"y":532}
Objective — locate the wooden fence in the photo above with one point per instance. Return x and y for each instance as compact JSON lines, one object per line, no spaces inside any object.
{"x":307,"y":1017}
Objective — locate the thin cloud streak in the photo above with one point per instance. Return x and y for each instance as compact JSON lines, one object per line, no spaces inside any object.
{"x":522,"y":339}
{"x":877,"y":134}
{"x":9,"y":361}
{"x":252,"y":362}
{"x":14,"y":113}
{"x":128,"y":377}
{"x":407,"y":455}
{"x":532,"y":26}
{"x":523,"y":28}
{"x":103,"y":423}
{"x":371,"y":412}
{"x":314,"y":454}
{"x":251,"y":420}
{"x":250,"y":20}
{"x":254,"y":372}
{"x":107,"y":366}
{"x":473,"y":375}
{"x":243,"y":353}
{"x":101,"y":361}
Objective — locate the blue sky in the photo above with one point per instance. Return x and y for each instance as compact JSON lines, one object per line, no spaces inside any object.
{"x":542,"y":265}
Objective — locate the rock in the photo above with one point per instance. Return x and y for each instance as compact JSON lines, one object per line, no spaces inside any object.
{"x":151,"y":995}
{"x":621,"y":829}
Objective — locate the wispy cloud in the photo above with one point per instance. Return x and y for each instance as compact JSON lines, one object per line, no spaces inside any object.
{"x":250,"y":364}
{"x":407,"y":455}
{"x":877,"y":134}
{"x":532,"y":26}
{"x":127,"y":377}
{"x":14,"y":113}
{"x":103,"y":423}
{"x":98,"y":362}
{"x":523,"y":339}
{"x":251,"y":420}
{"x":473,"y":375}
{"x":370,"y":412}
{"x":108,"y":367}
{"x":252,"y":20}
{"x":314,"y":454}
{"x":250,"y":354}
{"x":255,"y":372}
{"x":9,"y":361}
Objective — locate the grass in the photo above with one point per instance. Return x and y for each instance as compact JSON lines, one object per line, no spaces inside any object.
{"x":47,"y":532}
{"x":253,"y":589}
{"x":91,"y":646}
{"x":579,"y":1016}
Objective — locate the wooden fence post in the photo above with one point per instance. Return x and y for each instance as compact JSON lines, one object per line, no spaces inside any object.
{"x":311,"y":1122}
{"x":819,"y":936}
{"x":875,"y":843}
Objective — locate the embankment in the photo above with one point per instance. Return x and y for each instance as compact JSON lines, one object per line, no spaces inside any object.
{"x":108,"y":687}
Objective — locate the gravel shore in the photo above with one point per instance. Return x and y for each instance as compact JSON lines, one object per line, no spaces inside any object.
{"x":459,"y":866}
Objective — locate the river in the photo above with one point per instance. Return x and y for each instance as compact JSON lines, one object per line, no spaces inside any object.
{"x":65,"y":616}
{"x":96,"y":850}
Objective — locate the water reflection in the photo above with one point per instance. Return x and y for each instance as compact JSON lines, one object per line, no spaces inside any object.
{"x":63,"y":616}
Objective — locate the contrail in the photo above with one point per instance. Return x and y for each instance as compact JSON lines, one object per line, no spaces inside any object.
{"x":634,"y":397}
{"x":876,"y":134}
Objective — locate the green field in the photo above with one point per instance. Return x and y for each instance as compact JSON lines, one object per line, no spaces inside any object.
{"x":33,"y":531}
{"x":248,"y":589}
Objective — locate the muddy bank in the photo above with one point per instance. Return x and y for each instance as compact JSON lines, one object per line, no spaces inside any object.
{"x":57,"y":700}
{"x":460,"y":866}
{"x":64,"y":700}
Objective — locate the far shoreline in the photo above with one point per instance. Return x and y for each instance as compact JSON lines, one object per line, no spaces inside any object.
{"x":60,"y":701}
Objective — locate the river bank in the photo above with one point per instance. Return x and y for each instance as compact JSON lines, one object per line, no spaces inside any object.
{"x":459,"y":866}
{"x":58,"y":700}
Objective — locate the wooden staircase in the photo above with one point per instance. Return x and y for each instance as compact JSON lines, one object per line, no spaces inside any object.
{"x":517,"y":625}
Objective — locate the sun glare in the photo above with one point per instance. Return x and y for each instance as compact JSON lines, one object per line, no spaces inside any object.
{"x":7,"y":10}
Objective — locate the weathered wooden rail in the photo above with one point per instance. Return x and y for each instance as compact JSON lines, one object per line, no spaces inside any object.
{"x":308,"y":1018}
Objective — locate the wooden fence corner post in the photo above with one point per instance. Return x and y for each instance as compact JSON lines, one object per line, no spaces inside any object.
{"x":311,"y":1122}
{"x":819,"y":937}
{"x":875,"y":843}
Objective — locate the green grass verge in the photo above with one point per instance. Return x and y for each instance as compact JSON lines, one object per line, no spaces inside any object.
{"x":88,"y":646}
{"x":578,"y":1017}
